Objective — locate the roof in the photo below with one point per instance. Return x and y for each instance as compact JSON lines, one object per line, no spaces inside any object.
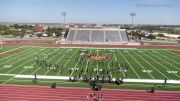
{"x":105,"y":29}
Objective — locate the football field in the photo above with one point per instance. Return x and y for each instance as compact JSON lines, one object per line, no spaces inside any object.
{"x":129,"y":63}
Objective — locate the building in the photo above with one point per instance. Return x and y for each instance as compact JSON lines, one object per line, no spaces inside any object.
{"x":40,"y":28}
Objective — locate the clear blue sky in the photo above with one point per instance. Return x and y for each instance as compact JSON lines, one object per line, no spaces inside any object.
{"x":90,"y":11}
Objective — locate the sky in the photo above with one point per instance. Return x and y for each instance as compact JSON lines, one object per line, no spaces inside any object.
{"x":91,"y":11}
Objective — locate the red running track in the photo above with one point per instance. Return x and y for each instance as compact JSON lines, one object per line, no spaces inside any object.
{"x":92,"y":45}
{"x":32,"y":93}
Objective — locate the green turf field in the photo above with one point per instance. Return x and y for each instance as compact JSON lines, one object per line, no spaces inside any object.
{"x":124,"y":63}
{"x":5,"y":49}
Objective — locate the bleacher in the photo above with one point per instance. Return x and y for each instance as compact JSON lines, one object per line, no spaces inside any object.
{"x":97,"y":36}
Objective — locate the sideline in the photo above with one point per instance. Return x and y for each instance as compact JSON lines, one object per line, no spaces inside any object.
{"x":67,"y":78}
{"x":132,"y":48}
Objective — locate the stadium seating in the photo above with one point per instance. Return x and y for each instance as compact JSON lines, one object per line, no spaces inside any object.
{"x":93,"y":36}
{"x":71,"y":35}
{"x":82,"y":35}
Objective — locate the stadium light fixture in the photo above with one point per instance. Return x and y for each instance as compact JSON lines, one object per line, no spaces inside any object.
{"x":64,"y":15}
{"x":132,"y":15}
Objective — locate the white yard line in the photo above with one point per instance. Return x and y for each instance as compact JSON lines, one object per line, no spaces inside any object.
{"x":97,"y":65}
{"x":160,"y":64}
{"x":18,"y":59}
{"x":68,"y":60}
{"x":109,"y":68}
{"x":14,"y":55}
{"x":13,"y":77}
{"x":140,"y":65}
{"x":84,"y":47}
{"x":19,"y":72}
{"x":130,"y":65}
{"x":74,"y":67}
{"x":151,"y":65}
{"x":21,"y":64}
{"x":119,"y":65}
{"x":87,"y":64}
{"x":43,"y":57}
{"x":164,"y":61}
{"x":97,"y":48}
{"x":56,"y":61}
{"x":11,"y":50}
{"x":172,"y":54}
{"x":168,"y":58}
{"x":110,"y":71}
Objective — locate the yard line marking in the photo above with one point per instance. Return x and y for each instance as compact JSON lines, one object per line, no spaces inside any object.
{"x":130,"y":65}
{"x":160,"y":64}
{"x":87,"y":64}
{"x":151,"y":64}
{"x":86,"y":47}
{"x":175,"y":62}
{"x":172,"y":56}
{"x":119,"y":65}
{"x":140,"y":65}
{"x":43,"y":57}
{"x":18,"y":59}
{"x":169,"y":57}
{"x":75,"y":67}
{"x":21,"y":64}
{"x":14,"y":55}
{"x":19,"y":72}
{"x":164,"y":61}
{"x":11,"y":50}
{"x":109,"y":69}
{"x":68,"y":60}
{"x":97,"y":64}
{"x":56,"y":61}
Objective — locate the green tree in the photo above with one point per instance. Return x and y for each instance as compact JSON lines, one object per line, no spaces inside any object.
{"x":16,"y":26}
{"x":21,"y":34}
{"x":39,"y":34}
{"x":151,"y":36}
{"x":160,"y":35}
{"x":66,"y":33}
{"x":58,"y":31}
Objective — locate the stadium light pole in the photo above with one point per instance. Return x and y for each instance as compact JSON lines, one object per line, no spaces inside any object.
{"x":132,"y":15}
{"x":64,"y":15}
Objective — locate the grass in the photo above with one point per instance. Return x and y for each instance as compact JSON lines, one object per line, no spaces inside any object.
{"x":4,"y":49}
{"x":138,"y":64}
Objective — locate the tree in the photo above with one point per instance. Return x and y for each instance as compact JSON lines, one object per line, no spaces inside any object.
{"x":51,"y":31}
{"x":151,"y":36}
{"x":22,"y":35}
{"x":66,"y":33}
{"x":39,"y":34}
{"x":160,"y":35}
{"x":16,"y":26}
